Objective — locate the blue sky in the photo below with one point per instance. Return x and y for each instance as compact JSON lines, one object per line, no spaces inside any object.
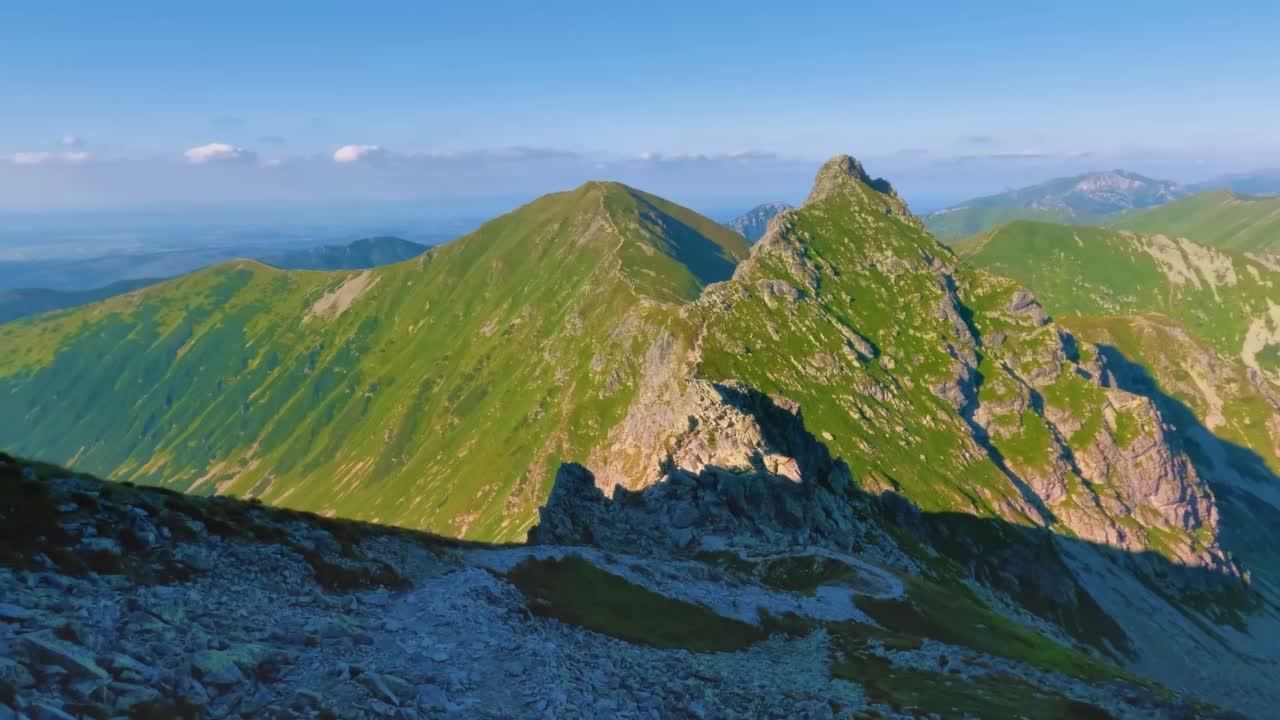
{"x":704,"y":101}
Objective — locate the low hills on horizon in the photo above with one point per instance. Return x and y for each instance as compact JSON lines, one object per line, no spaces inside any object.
{"x":358,"y":255}
{"x":846,"y":352}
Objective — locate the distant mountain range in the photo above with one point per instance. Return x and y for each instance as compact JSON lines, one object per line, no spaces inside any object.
{"x":20,"y":302}
{"x":753,"y":223}
{"x":359,"y":255}
{"x":1077,"y":200}
{"x":1256,"y":182}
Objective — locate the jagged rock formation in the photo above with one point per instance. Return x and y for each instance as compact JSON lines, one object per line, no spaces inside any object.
{"x":753,"y":224}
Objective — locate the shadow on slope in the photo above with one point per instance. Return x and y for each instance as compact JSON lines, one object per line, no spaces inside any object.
{"x":1250,"y":525}
{"x":755,"y":507}
{"x":52,"y":518}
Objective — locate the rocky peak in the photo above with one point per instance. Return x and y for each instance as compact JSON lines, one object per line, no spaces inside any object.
{"x":840,"y":172}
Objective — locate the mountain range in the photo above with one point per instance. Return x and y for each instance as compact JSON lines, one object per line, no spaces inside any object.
{"x":753,"y":223}
{"x":1069,"y":495}
{"x":1077,"y":200}
{"x":1257,"y":182}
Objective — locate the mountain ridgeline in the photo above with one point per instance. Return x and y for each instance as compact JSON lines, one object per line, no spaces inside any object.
{"x":1078,"y":200}
{"x":359,"y":255}
{"x":1219,"y":219}
{"x":846,"y":382}
{"x":753,"y":223}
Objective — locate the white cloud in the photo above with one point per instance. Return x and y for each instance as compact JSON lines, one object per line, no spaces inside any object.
{"x":355,"y":153}
{"x":72,"y":141}
{"x":217,"y":152}
{"x":31,"y":158}
{"x":41,"y":157}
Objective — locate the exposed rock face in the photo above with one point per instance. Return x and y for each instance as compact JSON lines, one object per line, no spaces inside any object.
{"x":745,"y":474}
{"x":753,"y":223}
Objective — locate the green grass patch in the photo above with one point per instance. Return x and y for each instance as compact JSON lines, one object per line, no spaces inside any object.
{"x":953,"y":615}
{"x":910,"y":690}
{"x":576,"y":592}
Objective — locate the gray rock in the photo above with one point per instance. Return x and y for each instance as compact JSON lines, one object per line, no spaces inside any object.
{"x":102,"y":545}
{"x":9,"y":611}
{"x":14,"y":674}
{"x":130,"y":696}
{"x":378,"y":684}
{"x":217,"y":667}
{"x":76,"y":660}
{"x":432,"y":697}
{"x":48,"y":711}
{"x":684,"y":516}
{"x":194,"y":557}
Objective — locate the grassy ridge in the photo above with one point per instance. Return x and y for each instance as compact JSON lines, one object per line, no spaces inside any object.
{"x":1217,"y":296}
{"x":955,"y":224}
{"x":438,"y":393}
{"x":1218,"y":218}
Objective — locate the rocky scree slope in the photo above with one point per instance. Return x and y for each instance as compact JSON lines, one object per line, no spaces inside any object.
{"x":145,"y":603}
{"x":440,"y":393}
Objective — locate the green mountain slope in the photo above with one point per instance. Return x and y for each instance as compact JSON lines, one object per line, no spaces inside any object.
{"x":1078,"y":200}
{"x":437,"y":393}
{"x":1230,"y":301}
{"x":961,"y":222}
{"x":359,"y":255}
{"x":1218,"y":219}
{"x":22,"y":302}
{"x":885,"y":311}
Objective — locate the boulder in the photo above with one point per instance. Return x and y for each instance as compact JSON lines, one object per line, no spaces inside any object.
{"x":77,"y":661}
